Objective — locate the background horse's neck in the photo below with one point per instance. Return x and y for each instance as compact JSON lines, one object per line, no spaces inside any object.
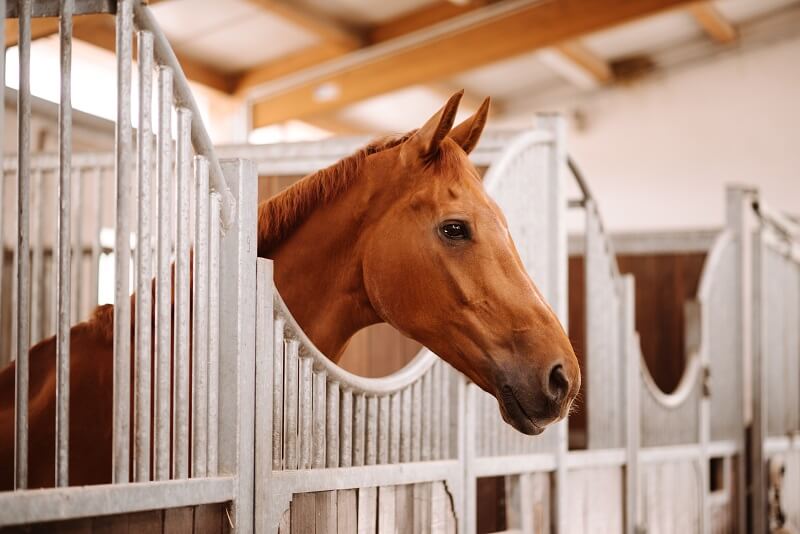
{"x":318,"y":272}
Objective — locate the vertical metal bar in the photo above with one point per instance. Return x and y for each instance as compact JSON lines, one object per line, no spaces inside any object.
{"x":359,"y":426}
{"x":37,"y":257}
{"x":181,"y":400}
{"x":141,"y":453}
{"x":306,"y":400}
{"x":332,"y":425}
{"x":62,"y":248}
{"x":122,"y":307}
{"x":264,"y":355}
{"x":77,"y":246}
{"x":383,"y":429}
{"x":346,"y":429}
{"x":277,"y":395}
{"x":290,"y":398}
{"x":405,"y":425}
{"x":3,"y":361}
{"x":416,"y":421}
{"x":445,"y":421}
{"x":213,"y":334}
{"x":163,"y":341}
{"x":371,"y":451}
{"x":200,"y":321}
{"x":425,"y":445}
{"x":318,"y":426}
{"x":394,"y":428}
{"x":436,"y":410}
{"x":22,"y":291}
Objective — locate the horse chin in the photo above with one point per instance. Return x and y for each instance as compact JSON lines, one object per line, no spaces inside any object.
{"x":514,"y":415}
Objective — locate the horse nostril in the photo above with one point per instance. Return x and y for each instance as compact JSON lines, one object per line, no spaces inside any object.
{"x":557,"y":383}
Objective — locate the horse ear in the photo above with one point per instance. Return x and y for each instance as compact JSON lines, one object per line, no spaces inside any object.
{"x":469,"y":132}
{"x":427,"y":139}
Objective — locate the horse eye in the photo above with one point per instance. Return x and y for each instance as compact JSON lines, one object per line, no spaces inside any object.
{"x":455,"y":230}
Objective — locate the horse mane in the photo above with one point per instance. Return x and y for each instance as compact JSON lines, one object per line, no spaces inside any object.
{"x":281,"y":214}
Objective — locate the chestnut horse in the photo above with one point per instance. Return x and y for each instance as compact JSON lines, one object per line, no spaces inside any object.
{"x":400,"y":232}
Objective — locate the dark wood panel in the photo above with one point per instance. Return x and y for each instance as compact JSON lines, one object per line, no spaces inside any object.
{"x":203,"y":519}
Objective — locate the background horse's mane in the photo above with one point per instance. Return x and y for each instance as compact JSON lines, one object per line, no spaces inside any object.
{"x":281,"y":214}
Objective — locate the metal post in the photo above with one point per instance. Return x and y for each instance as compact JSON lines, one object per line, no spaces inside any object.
{"x":212,"y":461}
{"x":62,"y":248}
{"x":23,"y":246}
{"x":182,"y":274}
{"x":141,"y":456}
{"x":632,"y":381}
{"x":163,"y":345}
{"x":266,"y":334}
{"x":237,"y":341}
{"x":557,"y":248}
{"x":122,"y":252}
{"x":200,"y":321}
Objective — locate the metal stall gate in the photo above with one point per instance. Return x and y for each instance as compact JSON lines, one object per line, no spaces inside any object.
{"x":182,"y":396}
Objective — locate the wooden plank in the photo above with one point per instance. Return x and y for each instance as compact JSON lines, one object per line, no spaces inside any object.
{"x":386,"y":509}
{"x":422,"y":18}
{"x":326,"y":521}
{"x":207,"y":519}
{"x":713,"y":22}
{"x":367,"y":510}
{"x":285,"y":525}
{"x":152,"y":522}
{"x":347,"y":511}
{"x":437,"y":55}
{"x":404,"y":508}
{"x":304,"y":514}
{"x":113,"y":524}
{"x":179,"y":520}
{"x":595,"y":68}
{"x":422,"y":507}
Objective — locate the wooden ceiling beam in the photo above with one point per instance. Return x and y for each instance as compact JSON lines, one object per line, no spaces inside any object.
{"x":713,"y":22}
{"x":326,"y":29}
{"x":471,"y":41}
{"x":99,"y":30}
{"x":578,"y":65}
{"x":422,"y":18}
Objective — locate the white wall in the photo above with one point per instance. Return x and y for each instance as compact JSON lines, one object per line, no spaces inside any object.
{"x":658,"y":154}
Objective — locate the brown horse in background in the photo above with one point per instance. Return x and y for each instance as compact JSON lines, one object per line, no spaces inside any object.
{"x":400,"y":232}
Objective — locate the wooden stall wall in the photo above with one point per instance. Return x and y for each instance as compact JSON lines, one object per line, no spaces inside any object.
{"x":664,"y":283}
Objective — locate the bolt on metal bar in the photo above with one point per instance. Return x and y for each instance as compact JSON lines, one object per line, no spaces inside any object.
{"x":200,"y":321}
{"x":22,"y":290}
{"x":122,"y":253}
{"x":181,"y":398}
{"x":141,"y":456}
{"x":163,"y":341}
{"x":62,"y":247}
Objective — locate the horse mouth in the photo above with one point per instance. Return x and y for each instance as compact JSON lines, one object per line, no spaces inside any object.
{"x":514,"y":414}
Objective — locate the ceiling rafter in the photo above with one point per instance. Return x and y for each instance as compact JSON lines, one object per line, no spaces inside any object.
{"x":480,"y":37}
{"x":713,"y":22}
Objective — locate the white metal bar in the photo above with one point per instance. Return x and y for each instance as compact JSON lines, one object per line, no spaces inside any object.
{"x":122,"y":307}
{"x":394,"y":429}
{"x":416,"y":421}
{"x":182,"y":274}
{"x":265,"y":345}
{"x":200,"y":321}
{"x":405,"y":425}
{"x":62,"y":247}
{"x":44,"y":505}
{"x":277,"y":395}
{"x":346,"y":429}
{"x":22,"y":289}
{"x":318,"y":425}
{"x":141,"y":453}
{"x":332,"y":425}
{"x":425,"y":445}
{"x":306,"y":406}
{"x":359,"y":427}
{"x":77,"y":243}
{"x":163,"y":337}
{"x":383,"y":429}
{"x":371,"y":447}
{"x":291,"y":407}
{"x":213,"y":334}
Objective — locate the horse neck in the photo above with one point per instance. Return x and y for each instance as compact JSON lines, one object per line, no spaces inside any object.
{"x":318,"y":272}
